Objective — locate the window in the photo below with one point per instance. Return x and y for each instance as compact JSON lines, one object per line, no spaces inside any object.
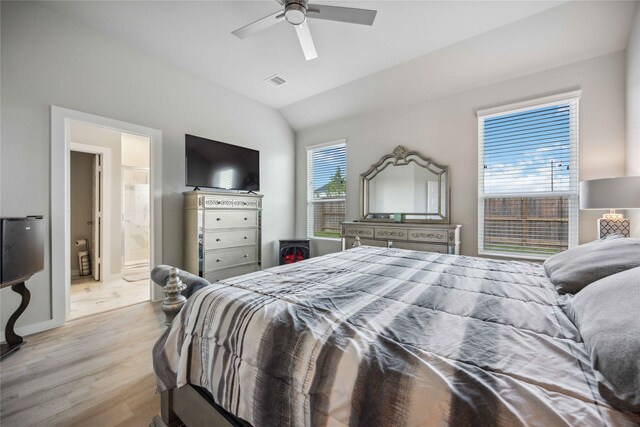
{"x":528,"y":177}
{"x":326,"y":189}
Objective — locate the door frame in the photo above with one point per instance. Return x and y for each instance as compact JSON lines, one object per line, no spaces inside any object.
{"x":60,"y":206}
{"x":105,"y":239}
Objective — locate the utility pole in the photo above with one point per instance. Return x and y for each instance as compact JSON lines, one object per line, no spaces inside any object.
{"x":559,"y":165}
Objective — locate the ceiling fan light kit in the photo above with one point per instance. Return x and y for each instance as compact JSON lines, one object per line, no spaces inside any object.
{"x":296,"y":13}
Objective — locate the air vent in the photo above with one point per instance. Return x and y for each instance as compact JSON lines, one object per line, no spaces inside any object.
{"x":275,"y":80}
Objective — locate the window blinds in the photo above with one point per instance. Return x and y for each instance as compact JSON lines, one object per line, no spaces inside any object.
{"x":326,"y":189}
{"x":528,"y":178}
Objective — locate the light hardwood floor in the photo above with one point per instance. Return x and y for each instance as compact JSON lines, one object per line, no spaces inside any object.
{"x":94,"y":371}
{"x":89,"y":297}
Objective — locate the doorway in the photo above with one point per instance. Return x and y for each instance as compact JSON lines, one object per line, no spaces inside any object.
{"x":123,"y":204}
{"x":86,"y":214}
{"x":109,"y":272}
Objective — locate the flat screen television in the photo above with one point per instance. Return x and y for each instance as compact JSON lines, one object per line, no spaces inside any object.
{"x":215,"y":164}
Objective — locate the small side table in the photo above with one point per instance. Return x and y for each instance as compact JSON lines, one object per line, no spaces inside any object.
{"x":15,"y":341}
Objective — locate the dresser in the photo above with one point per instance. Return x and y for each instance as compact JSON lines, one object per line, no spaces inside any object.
{"x":222,"y":234}
{"x":441,"y":238}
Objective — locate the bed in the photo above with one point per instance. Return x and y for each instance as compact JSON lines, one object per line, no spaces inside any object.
{"x":381,"y":337}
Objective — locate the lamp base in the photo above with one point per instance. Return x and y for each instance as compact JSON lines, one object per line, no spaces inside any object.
{"x":607,"y":227}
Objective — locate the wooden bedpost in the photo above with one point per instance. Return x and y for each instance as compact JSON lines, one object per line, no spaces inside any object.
{"x":166,"y":417}
{"x":173,"y":300}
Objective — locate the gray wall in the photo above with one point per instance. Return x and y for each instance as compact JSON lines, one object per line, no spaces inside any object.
{"x":446,"y":129}
{"x":81,"y":202}
{"x":633,"y":114}
{"x":50,"y":60}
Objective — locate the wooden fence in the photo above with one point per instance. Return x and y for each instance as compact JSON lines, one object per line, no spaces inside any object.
{"x":327,"y":218}
{"x":526,"y":224}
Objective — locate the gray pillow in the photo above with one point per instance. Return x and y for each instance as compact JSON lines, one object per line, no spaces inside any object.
{"x":607,"y":314}
{"x":160,"y":274}
{"x":572,"y":270}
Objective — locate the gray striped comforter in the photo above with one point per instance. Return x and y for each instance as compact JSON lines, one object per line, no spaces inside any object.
{"x":386,"y":337}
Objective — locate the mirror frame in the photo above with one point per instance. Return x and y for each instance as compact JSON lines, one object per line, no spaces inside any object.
{"x":401,"y":156}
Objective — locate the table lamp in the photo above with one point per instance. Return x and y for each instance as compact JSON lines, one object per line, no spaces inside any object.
{"x":612,"y":194}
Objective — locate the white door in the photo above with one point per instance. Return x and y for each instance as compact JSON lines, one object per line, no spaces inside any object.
{"x":96,"y":242}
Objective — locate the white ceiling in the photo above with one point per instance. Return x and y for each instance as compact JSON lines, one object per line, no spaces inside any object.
{"x":197,"y":37}
{"x":415,"y":51}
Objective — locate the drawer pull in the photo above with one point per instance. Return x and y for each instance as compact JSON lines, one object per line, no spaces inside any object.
{"x":245,"y":218}
{"x":218,"y":260}
{"x":218,"y":219}
{"x":218,"y":239}
{"x":245,"y":237}
{"x":246,"y":256}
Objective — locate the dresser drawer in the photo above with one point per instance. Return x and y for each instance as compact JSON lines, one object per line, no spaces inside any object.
{"x":391,"y":233}
{"x":349,"y":241}
{"x":230,"y":202}
{"x":221,"y":258}
{"x":225,"y":273}
{"x":230,"y":218}
{"x":425,"y":247}
{"x":217,"y":202}
{"x":357,"y":230}
{"x":428,"y":235}
{"x":229,"y":238}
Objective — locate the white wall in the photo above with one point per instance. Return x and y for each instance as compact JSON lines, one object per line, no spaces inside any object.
{"x":50,"y":60}
{"x":135,"y":150}
{"x":446,"y":130}
{"x":633,"y":114}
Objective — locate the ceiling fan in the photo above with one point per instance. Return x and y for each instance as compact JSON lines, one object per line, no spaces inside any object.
{"x":296,"y":13}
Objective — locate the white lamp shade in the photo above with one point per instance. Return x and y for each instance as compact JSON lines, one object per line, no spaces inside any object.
{"x":610,"y":193}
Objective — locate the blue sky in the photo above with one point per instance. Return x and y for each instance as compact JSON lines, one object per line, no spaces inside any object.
{"x":336,"y":155}
{"x":521,"y":149}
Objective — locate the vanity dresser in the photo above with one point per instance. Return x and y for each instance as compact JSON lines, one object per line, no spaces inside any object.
{"x":404,"y":203}
{"x":222,"y":234}
{"x":443,"y":239}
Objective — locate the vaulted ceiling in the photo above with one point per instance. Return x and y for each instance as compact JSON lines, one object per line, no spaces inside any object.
{"x":415,"y":49}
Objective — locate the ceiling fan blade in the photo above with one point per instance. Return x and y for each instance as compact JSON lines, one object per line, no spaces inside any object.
{"x":259,"y":25}
{"x":342,"y":14}
{"x":304,"y":35}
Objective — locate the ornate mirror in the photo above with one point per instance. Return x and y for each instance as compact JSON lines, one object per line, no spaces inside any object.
{"x":405,"y":186}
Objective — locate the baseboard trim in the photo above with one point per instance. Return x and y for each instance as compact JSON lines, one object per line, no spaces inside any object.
{"x":33,"y":328}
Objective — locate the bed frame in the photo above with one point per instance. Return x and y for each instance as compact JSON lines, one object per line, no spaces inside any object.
{"x":191,"y":407}
{"x":188,"y":405}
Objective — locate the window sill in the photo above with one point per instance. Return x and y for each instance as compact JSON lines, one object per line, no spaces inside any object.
{"x":328,"y":239}
{"x":524,"y":257}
